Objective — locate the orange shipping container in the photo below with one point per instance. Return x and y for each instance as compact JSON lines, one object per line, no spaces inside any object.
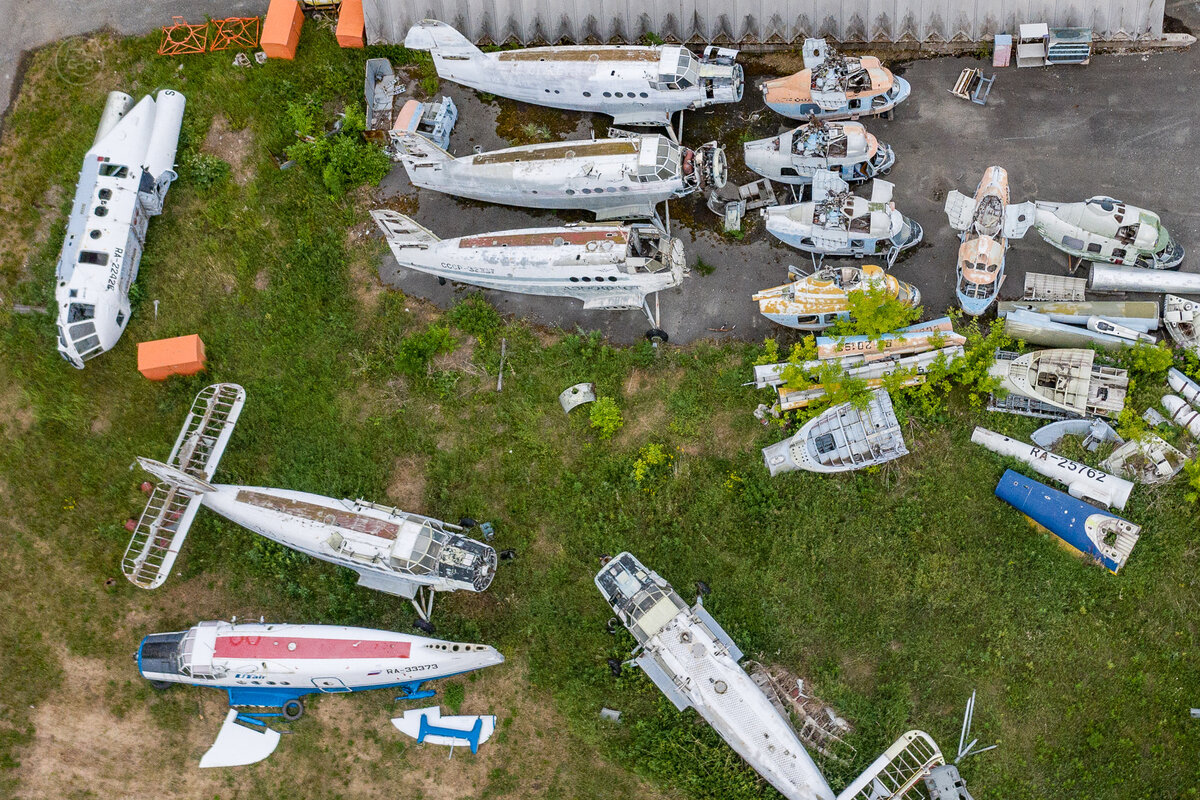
{"x":281,"y":30}
{"x":162,"y":358}
{"x":350,"y":24}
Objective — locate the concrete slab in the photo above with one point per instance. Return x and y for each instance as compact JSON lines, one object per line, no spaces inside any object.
{"x":1126,"y":125}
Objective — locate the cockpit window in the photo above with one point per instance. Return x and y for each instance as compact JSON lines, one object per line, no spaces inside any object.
{"x":685,"y":70}
{"x":113,"y":171}
{"x":78,"y":312}
{"x":93,"y":257}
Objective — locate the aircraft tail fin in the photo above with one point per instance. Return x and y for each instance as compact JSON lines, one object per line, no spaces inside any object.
{"x":183,"y":481}
{"x":441,"y":39}
{"x":402,"y":231}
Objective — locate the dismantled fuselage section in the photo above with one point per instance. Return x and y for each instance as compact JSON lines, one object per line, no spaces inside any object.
{"x":635,"y":85}
{"x":1181,"y":318}
{"x":694,"y":662}
{"x":392,"y":551}
{"x":842,"y":438}
{"x":617,"y":178}
{"x":987,"y":222}
{"x":817,"y":301}
{"x":843,"y":148}
{"x":1058,"y":384}
{"x":1082,"y":528}
{"x":1104,"y":229}
{"x":833,"y":86}
{"x":123,"y":182}
{"x":838,"y":223}
{"x":388,"y":127}
{"x":608,"y":267}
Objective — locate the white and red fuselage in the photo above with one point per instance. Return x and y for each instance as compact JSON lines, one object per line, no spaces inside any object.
{"x":265,"y":664}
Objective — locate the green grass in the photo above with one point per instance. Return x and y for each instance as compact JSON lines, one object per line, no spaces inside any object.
{"x":897,"y":591}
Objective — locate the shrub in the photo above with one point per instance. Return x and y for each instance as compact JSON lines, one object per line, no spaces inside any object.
{"x":703,"y":267}
{"x":652,"y":465}
{"x":605,"y":417}
{"x":204,"y":170}
{"x":417,"y":350}
{"x":874,"y":312}
{"x":1191,"y":471}
{"x":343,"y":160}
{"x":476,"y":316}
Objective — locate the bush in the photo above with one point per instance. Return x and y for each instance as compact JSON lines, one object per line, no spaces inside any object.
{"x":343,"y":160}
{"x":204,"y":170}
{"x":605,"y":417}
{"x":874,"y":312}
{"x":476,"y":316}
{"x":651,"y":468}
{"x":417,"y":350}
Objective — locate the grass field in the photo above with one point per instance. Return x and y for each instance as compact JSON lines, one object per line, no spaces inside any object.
{"x":896,"y":591}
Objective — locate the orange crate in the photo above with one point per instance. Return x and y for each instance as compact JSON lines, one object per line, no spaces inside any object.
{"x":281,"y":30}
{"x":350,"y":24}
{"x":162,"y":358}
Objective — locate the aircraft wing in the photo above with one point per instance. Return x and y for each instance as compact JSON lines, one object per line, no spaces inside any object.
{"x":1017,"y":219}
{"x":959,"y":209}
{"x":241,"y":741}
{"x":206,"y":431}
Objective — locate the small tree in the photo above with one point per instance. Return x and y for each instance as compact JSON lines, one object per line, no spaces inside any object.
{"x":874,"y":312}
{"x":605,"y":417}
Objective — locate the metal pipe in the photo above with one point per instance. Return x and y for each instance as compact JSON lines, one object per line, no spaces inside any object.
{"x":1107,"y":278}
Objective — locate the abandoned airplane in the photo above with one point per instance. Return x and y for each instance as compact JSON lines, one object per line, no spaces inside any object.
{"x":987,"y":222}
{"x":617,"y":178}
{"x":634,"y":85}
{"x":1104,"y":229}
{"x":393,"y":551}
{"x":1061,"y":383}
{"x":838,"y":223}
{"x":844,"y":148}
{"x":123,"y":182}
{"x":834,"y":86}
{"x":607,"y":266}
{"x":841,"y":438}
{"x":816,"y":301}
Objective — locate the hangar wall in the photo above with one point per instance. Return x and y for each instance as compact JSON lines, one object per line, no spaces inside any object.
{"x":781,"y":22}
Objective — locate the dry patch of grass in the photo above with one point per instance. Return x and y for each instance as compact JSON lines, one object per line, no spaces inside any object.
{"x":231,"y":146}
{"x":16,"y":412}
{"x":407,"y":486}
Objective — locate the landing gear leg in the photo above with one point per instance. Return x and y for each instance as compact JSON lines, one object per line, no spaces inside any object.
{"x":423,"y":603}
{"x":656,"y":335}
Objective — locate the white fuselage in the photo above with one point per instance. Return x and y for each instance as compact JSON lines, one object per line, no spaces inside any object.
{"x":394,"y":546}
{"x":615,"y":178}
{"x":123,"y":182}
{"x":635,"y":85}
{"x":795,"y":156}
{"x":837,"y":231}
{"x":605,"y":266}
{"x":302,"y":659}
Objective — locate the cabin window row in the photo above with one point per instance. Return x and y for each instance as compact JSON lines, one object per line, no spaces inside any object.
{"x":599,"y":191}
{"x":615,"y":94}
{"x":586,"y":279}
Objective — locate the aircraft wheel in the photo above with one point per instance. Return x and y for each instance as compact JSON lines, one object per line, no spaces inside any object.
{"x":657,"y":335}
{"x":441,"y":281}
{"x":703,"y":589}
{"x":292,"y":709}
{"x":467,"y":522}
{"x":162,"y":686}
{"x":614,"y":666}
{"x":423,"y":625}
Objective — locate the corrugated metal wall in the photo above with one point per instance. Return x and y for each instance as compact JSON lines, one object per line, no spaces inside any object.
{"x":758,"y":21}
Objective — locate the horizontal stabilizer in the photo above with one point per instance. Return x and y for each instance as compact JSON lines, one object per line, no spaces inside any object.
{"x":428,"y":725}
{"x":402,"y":231}
{"x":176,"y":477}
{"x":438,"y":37}
{"x":206,"y":431}
{"x":238,"y":744}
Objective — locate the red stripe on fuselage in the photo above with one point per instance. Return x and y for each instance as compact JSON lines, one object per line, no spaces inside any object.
{"x":276,"y":648}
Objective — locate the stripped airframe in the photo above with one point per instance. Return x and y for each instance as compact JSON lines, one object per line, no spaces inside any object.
{"x":987,"y":222}
{"x":1060,"y":383}
{"x":635,"y":85}
{"x":844,"y":148}
{"x":834,"y":86}
{"x":1103,"y":229}
{"x":841,"y":438}
{"x":838,"y":223}
{"x":393,"y":551}
{"x":816,"y":301}
{"x":122,"y":184}
{"x":607,"y":266}
{"x":617,"y":178}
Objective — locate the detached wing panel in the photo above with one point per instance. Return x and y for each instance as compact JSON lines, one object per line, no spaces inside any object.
{"x":959,"y":209}
{"x":240,"y":743}
{"x":1017,"y":219}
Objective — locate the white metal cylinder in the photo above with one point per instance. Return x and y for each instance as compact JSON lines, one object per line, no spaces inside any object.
{"x":164,"y":136}
{"x":115,"y":107}
{"x":1082,"y":481}
{"x":1182,"y":414}
{"x":1107,"y":278}
{"x":1187,"y":388}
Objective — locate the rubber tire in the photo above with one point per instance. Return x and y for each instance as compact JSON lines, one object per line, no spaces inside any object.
{"x":441,"y":281}
{"x":292,"y":710}
{"x":424,"y":625}
{"x":615,"y":667}
{"x":467,"y":522}
{"x":657,"y":334}
{"x":162,"y":686}
{"x":703,"y":589}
